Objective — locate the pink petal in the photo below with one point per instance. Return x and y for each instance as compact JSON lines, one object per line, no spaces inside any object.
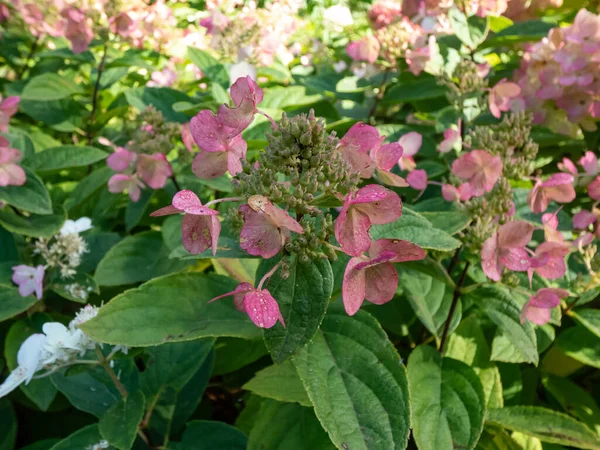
{"x":210,"y":164}
{"x":515,"y":234}
{"x":209,"y":133}
{"x":187,"y":138}
{"x":187,"y":201}
{"x":402,"y":250}
{"x":584,"y":219}
{"x":262,"y":308}
{"x":381,"y":283}
{"x":352,"y":230}
{"x":386,"y":156}
{"x":594,"y":189}
{"x":550,"y":220}
{"x":246,"y":87}
{"x":361,"y":137}
{"x":480,"y":169}
{"x":196,"y":233}
{"x":118,"y":183}
{"x":237,"y":119}
{"x":589,"y":162}
{"x":238,"y":296}
{"x":567,"y":166}
{"x":121,"y":159}
{"x":167,"y":210}
{"x":417,"y":179}
{"x":411,"y":143}
{"x":259,"y":236}
{"x":391,"y":179}
{"x":354,"y":286}
{"x":450,"y":193}
{"x":516,"y":259}
{"x":554,"y":269}
{"x":381,"y":205}
{"x":490,"y":258}
{"x":154,"y":169}
{"x":539,"y":316}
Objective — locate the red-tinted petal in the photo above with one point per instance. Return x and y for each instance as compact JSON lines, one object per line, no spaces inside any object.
{"x":354,"y":286}
{"x":195,"y":233}
{"x":259,"y":236}
{"x":262,"y":308}
{"x":381,"y":283}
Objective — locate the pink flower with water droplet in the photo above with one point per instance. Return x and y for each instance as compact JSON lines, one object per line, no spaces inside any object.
{"x":480,"y":169}
{"x":372,"y":204}
{"x":29,"y":279}
{"x":417,"y":179}
{"x":537,"y":309}
{"x":200,"y":227}
{"x":266,"y":227}
{"x":259,"y":304}
{"x":365,"y":49}
{"x":411,"y":143}
{"x":558,"y":187}
{"x":373,"y":276}
{"x":506,"y":248}
{"x":8,"y":108}
{"x":121,"y":160}
{"x":154,"y":169}
{"x":589,"y":162}
{"x":11,"y":174}
{"x":501,"y":97}
{"x":121,"y":182}
{"x":549,"y":260}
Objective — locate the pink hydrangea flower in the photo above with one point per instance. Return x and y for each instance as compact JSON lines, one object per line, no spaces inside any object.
{"x":506,"y":248}
{"x":372,"y":204}
{"x":566,"y":165}
{"x":122,"y":24}
{"x":549,"y":260}
{"x":259,"y":304}
{"x":452,"y":138}
{"x":462,"y":193}
{"x":77,"y":29}
{"x":385,"y":158}
{"x":589,"y":162}
{"x":365,"y":49}
{"x":418,"y":57}
{"x":266,"y":227}
{"x":246,"y":95}
{"x":583,"y":219}
{"x":417,"y":179}
{"x":374,"y":277}
{"x":8,"y":108}
{"x":356,"y":146}
{"x":558,"y":187}
{"x":501,"y":97}
{"x":537,"y":309}
{"x":411,"y":143}
{"x":384,"y":12}
{"x":200,"y":227}
{"x":480,"y":169}
{"x":29,"y":279}
{"x":594,"y":189}
{"x":154,"y":169}
{"x":121,"y":182}
{"x":11,"y":174}
{"x":121,"y":160}
{"x":550,"y":223}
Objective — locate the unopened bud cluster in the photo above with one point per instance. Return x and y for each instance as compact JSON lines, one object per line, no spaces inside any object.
{"x":510,"y":139}
{"x":154,"y":134}
{"x":466,"y":81}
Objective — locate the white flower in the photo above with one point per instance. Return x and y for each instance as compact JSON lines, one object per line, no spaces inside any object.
{"x":241,"y":69}
{"x":76,"y":226}
{"x":28,"y":359}
{"x":100,"y":445}
{"x":340,"y":66}
{"x":338,"y":17}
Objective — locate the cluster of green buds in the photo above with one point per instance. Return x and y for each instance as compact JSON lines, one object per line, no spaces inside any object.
{"x":511,"y":140}
{"x":465,"y":82}
{"x":154,"y":134}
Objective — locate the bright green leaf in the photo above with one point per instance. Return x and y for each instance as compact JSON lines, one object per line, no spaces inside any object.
{"x":580,"y":344}
{"x":48,"y":87}
{"x":65,"y":157}
{"x":279,"y":382}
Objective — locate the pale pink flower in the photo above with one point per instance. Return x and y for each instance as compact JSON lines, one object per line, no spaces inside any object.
{"x":480,"y":169}
{"x":550,"y":223}
{"x":567,"y":166}
{"x":266,"y":227}
{"x":165,"y":77}
{"x":77,"y":29}
{"x":583,"y":219}
{"x":452,"y":137}
{"x":121,"y":160}
{"x":589,"y":162}
{"x":417,"y":179}
{"x":365,"y":49}
{"x":131,"y":183}
{"x":501,"y":97}
{"x":537,"y":309}
{"x":29,"y":279}
{"x":462,"y":193}
{"x":200,"y":227}
{"x":122,"y":24}
{"x":246,"y":95}
{"x":356,"y":145}
{"x":385,"y":158}
{"x":11,"y":174}
{"x":594,"y":188}
{"x":154,"y":169}
{"x":187,"y":138}
{"x":372,"y":204}
{"x":8,"y":108}
{"x":373,"y":276}
{"x":558,"y":187}
{"x":549,"y":260}
{"x":418,"y":57}
{"x":384,"y":12}
{"x":506,"y":248}
{"x":411,"y":143}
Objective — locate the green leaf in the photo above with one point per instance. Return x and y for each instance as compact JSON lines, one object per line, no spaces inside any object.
{"x":529,"y":30}
{"x":468,"y":344}
{"x":136,"y":258}
{"x":42,"y":391}
{"x":98,"y":245}
{"x":81,"y":439}
{"x":354,"y":378}
{"x":494,"y":438}
{"x":119,"y":424}
{"x":303,"y":298}
{"x":210,"y":67}
{"x":161,"y":98}
{"x":471,"y":31}
{"x":135,"y":210}
{"x":430,"y":299}
{"x":21,"y":141}
{"x":513,"y":342}
{"x":278,"y":98}
{"x":8,"y":425}
{"x":580,"y":344}
{"x":443,"y":215}
{"x":89,"y":186}
{"x":65,"y":157}
{"x":231,"y":354}
{"x":574,"y":400}
{"x":33,"y":225}
{"x":423,"y":89}
{"x":32,"y":196}
{"x":12,"y":303}
{"x":589,"y":318}
{"x":414,"y":228}
{"x":281,"y":426}
{"x":279,"y":382}
{"x":170,"y":308}
{"x":210,"y":435}
{"x":447,"y":401}
{"x":77,"y":288}
{"x":545,"y":424}
{"x":48,"y":87}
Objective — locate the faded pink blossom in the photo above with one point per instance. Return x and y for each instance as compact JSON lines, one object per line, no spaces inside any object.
{"x":417,"y":179}
{"x":589,"y":162}
{"x":483,"y":69}
{"x":480,"y":169}
{"x":537,"y":309}
{"x":583,"y":219}
{"x":594,"y":188}
{"x":567,"y":166}
{"x":373,"y":276}
{"x":77,"y":29}
{"x":385,"y":158}
{"x":11,"y":174}
{"x":131,"y":183}
{"x":501,"y":97}
{"x":200,"y":227}
{"x":121,"y":160}
{"x":550,"y":223}
{"x":154,"y":169}
{"x":8,"y":108}
{"x":452,"y":137}
{"x":549,"y":260}
{"x":246,"y":95}
{"x":216,"y":23}
{"x":372,"y":204}
{"x":418,"y":57}
{"x":29,"y":279}
{"x":384,"y":12}
{"x":411,"y":143}
{"x":558,"y":187}
{"x":266,"y":227}
{"x":356,"y":145}
{"x":165,"y":77}
{"x":259,"y":304}
{"x":365,"y":49}
{"x":122,"y":24}
{"x":506,"y":248}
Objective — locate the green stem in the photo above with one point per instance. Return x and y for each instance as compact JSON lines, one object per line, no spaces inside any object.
{"x":455,"y":299}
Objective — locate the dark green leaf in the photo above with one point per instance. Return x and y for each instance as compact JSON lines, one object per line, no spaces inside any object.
{"x":64,"y":157}
{"x":589,"y":318}
{"x":209,"y":435}
{"x":33,"y":225}
{"x":120,"y":422}
{"x":161,"y":98}
{"x":32,"y":196}
{"x":424,"y":89}
{"x":89,"y":186}
{"x":81,"y":439}
{"x":12,"y":303}
{"x":8,"y":425}
{"x":580,"y":344}
{"x":135,"y":210}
